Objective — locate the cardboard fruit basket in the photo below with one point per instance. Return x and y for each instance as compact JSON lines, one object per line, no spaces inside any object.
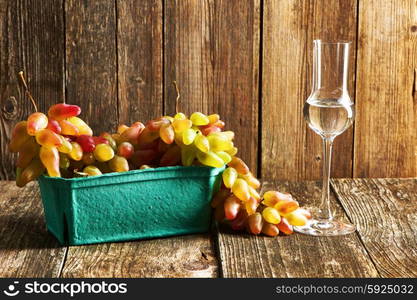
{"x":130,"y":205}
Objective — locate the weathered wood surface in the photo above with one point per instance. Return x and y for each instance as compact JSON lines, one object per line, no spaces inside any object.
{"x":91,"y":61}
{"x":385,"y":128}
{"x":183,"y":256}
{"x":41,"y":56}
{"x":212,"y":51}
{"x":385,"y":213}
{"x":242,"y":255}
{"x":26,"y":248}
{"x":290,"y":150}
{"x":139,"y":49}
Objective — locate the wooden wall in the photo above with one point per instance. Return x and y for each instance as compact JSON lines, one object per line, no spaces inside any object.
{"x":249,"y":60}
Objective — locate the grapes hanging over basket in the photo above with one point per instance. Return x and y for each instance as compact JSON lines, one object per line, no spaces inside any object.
{"x":61,"y":144}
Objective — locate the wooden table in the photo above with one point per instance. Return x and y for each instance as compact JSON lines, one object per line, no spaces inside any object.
{"x":385,"y":245}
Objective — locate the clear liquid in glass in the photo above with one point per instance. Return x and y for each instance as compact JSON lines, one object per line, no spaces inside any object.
{"x":329,"y":117}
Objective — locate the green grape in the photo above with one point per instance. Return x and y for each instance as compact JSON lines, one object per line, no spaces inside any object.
{"x":64,"y":161}
{"x":241,"y":190}
{"x":210,"y":159}
{"x":188,"y":154}
{"x":92,"y":171}
{"x":229,"y":177}
{"x":202,"y":143}
{"x":180,"y":116}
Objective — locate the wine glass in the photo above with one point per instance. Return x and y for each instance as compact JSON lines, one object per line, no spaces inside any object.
{"x":329,"y":111}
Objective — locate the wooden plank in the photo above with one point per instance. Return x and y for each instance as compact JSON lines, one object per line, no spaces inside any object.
{"x":26,"y":248}
{"x":91,"y":61}
{"x":41,"y":56}
{"x":296,"y":255}
{"x":139,"y":44}
{"x":183,"y":256}
{"x":212,"y":51}
{"x":384,"y":212}
{"x":290,"y":150}
{"x":385,"y":130}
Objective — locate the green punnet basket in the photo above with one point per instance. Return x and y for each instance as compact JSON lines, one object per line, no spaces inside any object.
{"x":131,"y":205}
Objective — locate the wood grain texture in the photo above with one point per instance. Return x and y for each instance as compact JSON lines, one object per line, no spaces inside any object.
{"x":290,"y":150}
{"x":91,"y":61}
{"x":140,"y":72}
{"x":183,"y":256}
{"x":385,"y":130}
{"x":244,"y":255}
{"x":212,"y":51}
{"x":32,"y":40}
{"x":384,"y":212}
{"x":26,"y":248}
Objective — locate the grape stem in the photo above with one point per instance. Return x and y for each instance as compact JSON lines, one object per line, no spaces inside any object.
{"x":22,"y":78}
{"x":177,"y":101}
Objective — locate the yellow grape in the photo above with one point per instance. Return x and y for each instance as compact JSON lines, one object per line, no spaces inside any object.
{"x":81,"y":125}
{"x":210,"y":159}
{"x":232,"y":151}
{"x":251,"y":180}
{"x":92,"y":171}
{"x":66,"y":146}
{"x":188,"y":154}
{"x":76,"y":152}
{"x":181,"y":125}
{"x":180,"y":116}
{"x":103,"y":152}
{"x":285,"y":227}
{"x":229,"y":134}
{"x":199,"y":119}
{"x":50,"y":159}
{"x":251,"y":205}
{"x":296,"y":218}
{"x":202,"y":143}
{"x":239,"y":165}
{"x":270,"y":229}
{"x":255,"y":223}
{"x":213,"y":118}
{"x":167,"y":134}
{"x":271,"y":215}
{"x":254,"y":193}
{"x":219,"y":143}
{"x":119,"y":164}
{"x":241,"y":190}
{"x":229,"y":177}
{"x":271,"y":198}
{"x":286,"y":206}
{"x":188,"y":136}
{"x":122,"y":128}
{"x":225,"y":156}
{"x":64,"y":161}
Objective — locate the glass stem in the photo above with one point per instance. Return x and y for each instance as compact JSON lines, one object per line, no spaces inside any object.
{"x":325,"y":213}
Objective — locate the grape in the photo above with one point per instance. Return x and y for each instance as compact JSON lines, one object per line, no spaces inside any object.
{"x":219,"y":213}
{"x":271,"y":215}
{"x":66,"y":146}
{"x":254,"y":193}
{"x":109,"y":138}
{"x":155,"y":125}
{"x":255,"y":223}
{"x":172,"y":157}
{"x":50,"y":159}
{"x":202,"y":143}
{"x":100,"y":140}
{"x":304,"y":212}
{"x":76,"y":152}
{"x":219,"y":143}
{"x":142,"y":167}
{"x":122,"y":128}
{"x":231,"y":207}
{"x":188,"y":155}
{"x":219,"y":198}
{"x":167,"y":134}
{"x":30,"y":173}
{"x":67,"y":128}
{"x":36,"y":122}
{"x":62,"y":111}
{"x":232,"y":152}
{"x":224,"y":156}
{"x":181,"y":125}
{"x":210,"y":159}
{"x":251,"y":180}
{"x":229,"y":177}
{"x":132,"y":134}
{"x":286,"y":206}
{"x":143,"y":157}
{"x":48,"y":138}
{"x":92,"y":171}
{"x":239,"y":165}
{"x":296,"y":218}
{"x":271,"y":198}
{"x":188,"y":136}
{"x":239,"y":223}
{"x":125,"y":149}
{"x":19,"y":136}
{"x":103,"y":167}
{"x":147,"y":137}
{"x":88,"y":158}
{"x":241,"y":190}
{"x":119,"y":164}
{"x":64,"y":161}
{"x":54,"y":126}
{"x":103,"y":152}
{"x":199,"y":119}
{"x":251,"y":205}
{"x":83,"y":128}
{"x":27,"y":152}
{"x":213,"y":118}
{"x":270,"y":229}
{"x":209,"y":129}
{"x":180,"y":116}
{"x":285,"y":227}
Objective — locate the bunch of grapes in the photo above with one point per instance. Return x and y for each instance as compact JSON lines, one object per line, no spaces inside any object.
{"x":63,"y":145}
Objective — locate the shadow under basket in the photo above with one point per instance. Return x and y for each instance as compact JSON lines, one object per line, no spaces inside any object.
{"x":131,"y":205}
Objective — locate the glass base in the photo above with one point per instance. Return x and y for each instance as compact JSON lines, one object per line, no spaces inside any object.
{"x":325,"y":228}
